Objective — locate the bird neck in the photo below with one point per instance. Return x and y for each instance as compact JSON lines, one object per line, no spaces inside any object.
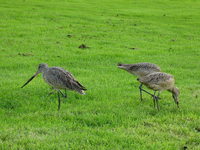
{"x":174,"y":91}
{"x":45,"y":69}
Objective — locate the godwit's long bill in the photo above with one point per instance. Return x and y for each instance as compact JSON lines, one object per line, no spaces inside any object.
{"x":58,"y":79}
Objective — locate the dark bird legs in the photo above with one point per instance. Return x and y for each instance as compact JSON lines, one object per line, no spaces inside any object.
{"x":155,"y":100}
{"x":59,"y":92}
{"x":141,"y":89}
{"x":58,"y":100}
{"x":63,"y":95}
{"x":160,"y":81}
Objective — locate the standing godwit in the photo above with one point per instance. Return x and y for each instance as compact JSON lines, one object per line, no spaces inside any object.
{"x":159,"y":81}
{"x":140,"y":70}
{"x":58,"y":78}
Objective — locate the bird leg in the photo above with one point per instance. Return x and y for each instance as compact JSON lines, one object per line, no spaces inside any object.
{"x":58,"y":100}
{"x":140,"y":87}
{"x":64,"y":95}
{"x":53,"y":91}
{"x":156,"y":98}
{"x":154,"y":102}
{"x":147,"y":92}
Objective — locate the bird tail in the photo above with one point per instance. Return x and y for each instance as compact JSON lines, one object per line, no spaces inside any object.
{"x":79,"y":88}
{"x":82,"y":92}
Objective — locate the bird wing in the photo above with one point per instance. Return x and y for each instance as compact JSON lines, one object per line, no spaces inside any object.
{"x":157,"y":80}
{"x":73,"y":82}
{"x":146,"y":66}
{"x":68,"y":79}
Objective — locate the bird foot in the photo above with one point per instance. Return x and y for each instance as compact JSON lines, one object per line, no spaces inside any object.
{"x":65,"y":96}
{"x":156,"y":97}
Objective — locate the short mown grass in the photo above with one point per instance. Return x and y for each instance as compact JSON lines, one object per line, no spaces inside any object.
{"x":111,"y":115}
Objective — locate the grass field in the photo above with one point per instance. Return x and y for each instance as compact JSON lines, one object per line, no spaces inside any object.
{"x":110,"y":116}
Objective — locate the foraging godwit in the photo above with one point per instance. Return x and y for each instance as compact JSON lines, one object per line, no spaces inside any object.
{"x":58,"y":78}
{"x":159,"y":81}
{"x":140,"y":70}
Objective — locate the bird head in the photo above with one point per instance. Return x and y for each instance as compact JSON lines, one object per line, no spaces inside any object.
{"x":175,"y":95}
{"x":41,"y":68}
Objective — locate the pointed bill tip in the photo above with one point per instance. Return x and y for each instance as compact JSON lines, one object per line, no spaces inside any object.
{"x":29,"y":80}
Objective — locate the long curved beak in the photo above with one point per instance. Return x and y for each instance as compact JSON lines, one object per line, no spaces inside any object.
{"x":176,"y":100}
{"x":30,"y":79}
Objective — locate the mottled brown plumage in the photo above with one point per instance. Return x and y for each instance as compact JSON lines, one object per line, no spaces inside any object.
{"x":159,"y":81}
{"x":58,"y":78}
{"x":140,"y":70}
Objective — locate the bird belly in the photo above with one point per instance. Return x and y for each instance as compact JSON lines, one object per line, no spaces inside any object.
{"x":153,"y":87}
{"x":160,"y":86}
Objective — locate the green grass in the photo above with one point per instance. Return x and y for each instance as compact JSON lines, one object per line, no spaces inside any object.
{"x":110,"y":116}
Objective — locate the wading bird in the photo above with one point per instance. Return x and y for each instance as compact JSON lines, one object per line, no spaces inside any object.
{"x":159,"y":81}
{"x":140,"y":70}
{"x":58,"y":79}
